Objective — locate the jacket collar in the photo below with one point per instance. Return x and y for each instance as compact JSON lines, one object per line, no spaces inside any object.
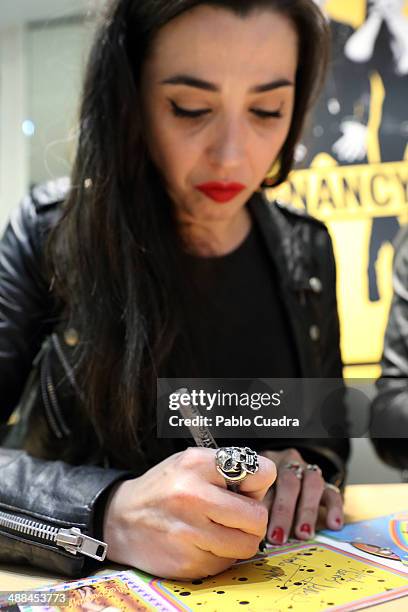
{"x":288,"y":243}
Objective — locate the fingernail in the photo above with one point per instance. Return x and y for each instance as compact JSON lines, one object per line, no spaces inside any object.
{"x":305,"y":528}
{"x":338,"y":521}
{"x":278,"y":536}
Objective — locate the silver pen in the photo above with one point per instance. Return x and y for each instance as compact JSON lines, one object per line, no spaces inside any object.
{"x":200,"y":433}
{"x":203,"y":437}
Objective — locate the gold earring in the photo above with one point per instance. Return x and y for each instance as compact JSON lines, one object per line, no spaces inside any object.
{"x":270,"y":179}
{"x":267,"y":183}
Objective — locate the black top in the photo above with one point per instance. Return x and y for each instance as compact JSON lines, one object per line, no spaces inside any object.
{"x":234,"y":315}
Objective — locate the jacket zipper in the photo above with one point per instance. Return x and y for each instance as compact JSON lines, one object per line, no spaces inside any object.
{"x":49,"y":397}
{"x":72,"y":539}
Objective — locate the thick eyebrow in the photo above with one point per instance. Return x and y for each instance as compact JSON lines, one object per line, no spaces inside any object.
{"x":190,"y":81}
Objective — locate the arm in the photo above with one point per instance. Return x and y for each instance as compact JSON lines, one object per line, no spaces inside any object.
{"x":53,"y":494}
{"x":24,"y":302}
{"x":55,"y":497}
{"x":390,"y":406}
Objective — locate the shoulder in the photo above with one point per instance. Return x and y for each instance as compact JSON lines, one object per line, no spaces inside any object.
{"x":41,"y":209}
{"x":31,"y":222}
{"x":23,"y":241}
{"x":305,"y":236}
{"x":401,"y":241}
{"x":298,"y":214}
{"x":297,"y":217}
{"x":50,"y":194}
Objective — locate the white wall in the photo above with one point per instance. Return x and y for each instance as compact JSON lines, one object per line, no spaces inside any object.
{"x":13,"y":147}
{"x":56,"y":58}
{"x":41,"y":61}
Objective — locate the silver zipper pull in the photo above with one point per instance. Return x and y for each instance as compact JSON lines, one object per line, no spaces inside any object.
{"x":74,"y":541}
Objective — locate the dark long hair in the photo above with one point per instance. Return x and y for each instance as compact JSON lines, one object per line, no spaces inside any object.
{"x":115,"y":251}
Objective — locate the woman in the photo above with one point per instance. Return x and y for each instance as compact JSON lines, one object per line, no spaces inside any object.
{"x":187,"y":106}
{"x":388,"y":425}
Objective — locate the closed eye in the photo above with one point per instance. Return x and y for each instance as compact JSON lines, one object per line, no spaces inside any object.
{"x":178,"y":111}
{"x":264,"y":114}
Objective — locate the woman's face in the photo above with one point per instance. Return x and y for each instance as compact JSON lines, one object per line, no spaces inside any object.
{"x":218,"y":94}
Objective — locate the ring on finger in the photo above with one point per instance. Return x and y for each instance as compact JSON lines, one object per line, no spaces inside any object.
{"x":332,"y":487}
{"x":312,"y":467}
{"x":235,"y":463}
{"x":295,"y":467}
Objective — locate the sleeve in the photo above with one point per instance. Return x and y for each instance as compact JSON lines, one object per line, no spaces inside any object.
{"x":389,"y":410}
{"x":24,"y":300}
{"x":50,"y":511}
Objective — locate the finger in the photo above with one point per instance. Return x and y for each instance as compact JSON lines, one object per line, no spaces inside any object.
{"x":268,"y":503}
{"x":333,"y":501}
{"x":257,"y":485}
{"x":202,"y":461}
{"x":226,"y":542}
{"x":268,"y":499}
{"x":287,"y":490}
{"x":308,"y":504}
{"x":236,"y":511}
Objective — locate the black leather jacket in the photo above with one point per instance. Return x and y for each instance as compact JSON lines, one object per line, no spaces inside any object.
{"x":52,"y":470}
{"x":389,"y":418}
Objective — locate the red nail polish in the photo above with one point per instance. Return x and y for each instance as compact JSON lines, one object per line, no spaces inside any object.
{"x":278,"y":535}
{"x":305,"y":528}
{"x":338,"y":521}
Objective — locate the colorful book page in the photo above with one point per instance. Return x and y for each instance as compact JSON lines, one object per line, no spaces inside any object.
{"x":385,"y":537}
{"x":306,"y":578}
{"x":121,"y":591}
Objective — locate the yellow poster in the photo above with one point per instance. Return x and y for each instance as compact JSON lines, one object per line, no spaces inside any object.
{"x":352,"y":166}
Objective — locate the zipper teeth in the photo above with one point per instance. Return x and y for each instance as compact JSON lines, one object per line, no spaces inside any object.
{"x":28,"y":527}
{"x":51,"y":401}
{"x":47,"y":405}
{"x":54,"y":402}
{"x":69,"y":538}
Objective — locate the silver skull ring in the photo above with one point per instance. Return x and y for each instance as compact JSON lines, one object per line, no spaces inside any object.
{"x":234,"y":463}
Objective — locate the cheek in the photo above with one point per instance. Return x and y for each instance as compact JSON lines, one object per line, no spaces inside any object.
{"x":175,"y":154}
{"x":267,"y":148}
{"x":173,"y":157}
{"x":279,"y":138}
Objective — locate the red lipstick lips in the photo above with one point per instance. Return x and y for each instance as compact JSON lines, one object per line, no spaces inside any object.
{"x":220,"y":192}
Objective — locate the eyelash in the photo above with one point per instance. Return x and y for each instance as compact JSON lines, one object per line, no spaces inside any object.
{"x":178,"y":111}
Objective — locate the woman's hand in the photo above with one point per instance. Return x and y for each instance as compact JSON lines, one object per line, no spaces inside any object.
{"x":294,"y":502}
{"x":179,"y":521}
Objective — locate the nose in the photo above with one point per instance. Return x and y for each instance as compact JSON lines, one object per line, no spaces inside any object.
{"x":227,"y":147}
